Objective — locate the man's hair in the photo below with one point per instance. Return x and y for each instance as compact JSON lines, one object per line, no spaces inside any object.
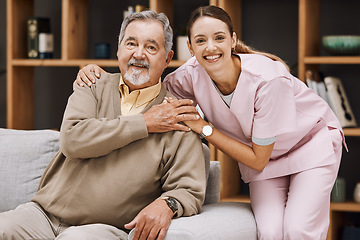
{"x":151,"y":15}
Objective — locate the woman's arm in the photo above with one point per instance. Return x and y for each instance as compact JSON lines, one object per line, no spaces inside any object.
{"x":85,"y":75}
{"x":255,"y":157}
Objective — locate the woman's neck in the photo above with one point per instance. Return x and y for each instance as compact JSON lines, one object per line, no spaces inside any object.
{"x":226,"y":80}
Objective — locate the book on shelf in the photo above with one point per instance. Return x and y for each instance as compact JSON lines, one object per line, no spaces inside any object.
{"x":40,"y":39}
{"x":332,"y":91}
{"x":138,"y":8}
{"x":317,"y":84}
{"x":339,"y":101}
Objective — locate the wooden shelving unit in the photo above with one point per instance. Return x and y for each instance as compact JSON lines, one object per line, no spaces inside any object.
{"x":74,"y":28}
{"x":74,"y":45}
{"x":309,"y":58}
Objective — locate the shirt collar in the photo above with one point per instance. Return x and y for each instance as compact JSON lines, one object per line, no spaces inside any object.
{"x":142,"y":96}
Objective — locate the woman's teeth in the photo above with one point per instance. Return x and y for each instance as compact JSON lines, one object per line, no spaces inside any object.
{"x":212,"y":57}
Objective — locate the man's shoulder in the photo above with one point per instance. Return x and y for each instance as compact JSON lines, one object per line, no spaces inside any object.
{"x":170,"y":95}
{"x":109,"y":77}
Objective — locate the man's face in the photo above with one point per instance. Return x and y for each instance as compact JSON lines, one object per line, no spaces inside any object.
{"x":141,"y":54}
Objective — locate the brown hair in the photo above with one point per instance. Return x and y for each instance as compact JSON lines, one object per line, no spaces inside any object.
{"x":219,"y":13}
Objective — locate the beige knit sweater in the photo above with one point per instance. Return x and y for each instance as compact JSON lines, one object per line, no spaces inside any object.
{"x":109,"y":167}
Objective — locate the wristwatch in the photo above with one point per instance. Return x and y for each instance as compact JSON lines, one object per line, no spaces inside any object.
{"x":172,"y":203}
{"x":206,"y":131}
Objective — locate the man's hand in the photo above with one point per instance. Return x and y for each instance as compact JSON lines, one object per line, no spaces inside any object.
{"x":152,"y":222}
{"x":167,"y":115}
{"x":194,"y":124}
{"x":85,"y":75}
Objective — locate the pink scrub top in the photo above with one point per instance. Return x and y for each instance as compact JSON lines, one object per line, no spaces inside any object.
{"x":268,"y":101}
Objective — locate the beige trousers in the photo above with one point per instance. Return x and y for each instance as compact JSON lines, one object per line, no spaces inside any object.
{"x":30,"y":221}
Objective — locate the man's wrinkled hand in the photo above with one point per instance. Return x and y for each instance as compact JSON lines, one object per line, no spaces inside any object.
{"x":152,"y":222}
{"x":168,"y":115}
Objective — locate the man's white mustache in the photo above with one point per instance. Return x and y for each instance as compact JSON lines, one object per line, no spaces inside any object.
{"x":139,"y":62}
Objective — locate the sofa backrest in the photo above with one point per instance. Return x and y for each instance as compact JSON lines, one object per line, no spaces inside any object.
{"x":24,"y":155}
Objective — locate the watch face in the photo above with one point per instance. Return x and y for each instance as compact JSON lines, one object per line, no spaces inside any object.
{"x":172,"y":204}
{"x":207,"y":130}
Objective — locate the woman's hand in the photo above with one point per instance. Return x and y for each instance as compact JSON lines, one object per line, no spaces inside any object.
{"x":85,"y":75}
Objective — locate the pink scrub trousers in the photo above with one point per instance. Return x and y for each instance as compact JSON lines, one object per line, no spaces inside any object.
{"x":296,"y":206}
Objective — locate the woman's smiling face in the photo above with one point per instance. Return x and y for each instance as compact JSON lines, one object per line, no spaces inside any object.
{"x":211,"y":42}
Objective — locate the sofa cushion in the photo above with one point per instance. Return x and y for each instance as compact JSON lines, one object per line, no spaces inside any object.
{"x":220,"y":221}
{"x":24,"y":156}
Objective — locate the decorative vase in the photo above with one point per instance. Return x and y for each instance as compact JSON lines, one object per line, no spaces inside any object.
{"x":338,"y":191}
{"x":357,"y":193}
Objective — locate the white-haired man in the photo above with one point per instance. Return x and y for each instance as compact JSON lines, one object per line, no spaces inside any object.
{"x":118,"y":167}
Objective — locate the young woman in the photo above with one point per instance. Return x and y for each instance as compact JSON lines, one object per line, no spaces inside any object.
{"x":286,"y":139}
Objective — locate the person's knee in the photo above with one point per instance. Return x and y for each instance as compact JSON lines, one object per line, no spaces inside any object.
{"x":302,"y":230}
{"x":7,"y":228}
{"x":270,"y":232}
{"x":92,"y":231}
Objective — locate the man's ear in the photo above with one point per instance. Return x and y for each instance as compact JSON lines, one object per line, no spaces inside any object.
{"x":169,"y":57}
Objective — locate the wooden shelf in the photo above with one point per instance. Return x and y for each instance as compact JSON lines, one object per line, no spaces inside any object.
{"x":353,"y":132}
{"x":75,"y":63}
{"x":237,"y":198}
{"x":349,"y":206}
{"x":332,"y":60}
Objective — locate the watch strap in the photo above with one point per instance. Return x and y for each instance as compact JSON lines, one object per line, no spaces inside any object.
{"x":172,"y":203}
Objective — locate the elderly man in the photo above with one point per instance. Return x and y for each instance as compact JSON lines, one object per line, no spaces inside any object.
{"x":118,"y":167}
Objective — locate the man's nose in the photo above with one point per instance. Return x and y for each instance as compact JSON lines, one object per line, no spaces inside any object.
{"x":139,"y":53}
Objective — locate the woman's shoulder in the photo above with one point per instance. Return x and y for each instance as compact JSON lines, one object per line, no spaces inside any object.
{"x":262,"y":66}
{"x":189,"y":68}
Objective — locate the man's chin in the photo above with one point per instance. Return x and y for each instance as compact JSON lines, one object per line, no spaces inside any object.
{"x":137,"y":81}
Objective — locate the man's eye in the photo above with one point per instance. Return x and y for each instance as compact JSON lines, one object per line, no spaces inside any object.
{"x":152,"y":48}
{"x":130,"y":44}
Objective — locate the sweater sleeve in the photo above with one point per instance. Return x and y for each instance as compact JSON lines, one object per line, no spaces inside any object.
{"x":91,"y":128}
{"x":184,"y":176}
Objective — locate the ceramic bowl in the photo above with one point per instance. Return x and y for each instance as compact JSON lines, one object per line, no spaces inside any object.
{"x":342,"y":45}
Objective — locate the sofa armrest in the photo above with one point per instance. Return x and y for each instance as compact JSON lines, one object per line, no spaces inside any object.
{"x":213,"y":184}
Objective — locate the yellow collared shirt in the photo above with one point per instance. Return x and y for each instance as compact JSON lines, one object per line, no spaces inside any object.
{"x":136,"y":101}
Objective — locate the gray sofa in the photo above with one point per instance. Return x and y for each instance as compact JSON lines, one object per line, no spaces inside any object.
{"x":25,"y":154}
